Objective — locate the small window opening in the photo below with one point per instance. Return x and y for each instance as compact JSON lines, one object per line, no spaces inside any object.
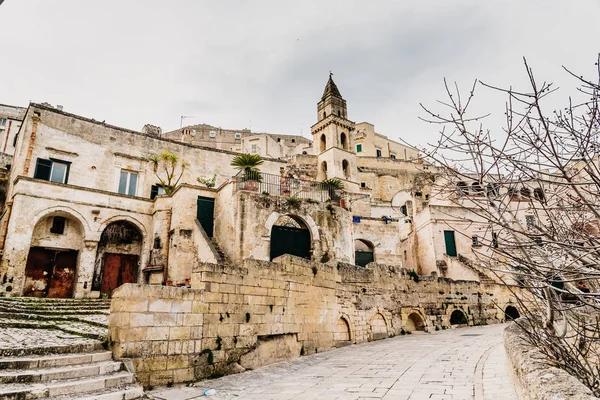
{"x":475,"y":241}
{"x":58,"y":225}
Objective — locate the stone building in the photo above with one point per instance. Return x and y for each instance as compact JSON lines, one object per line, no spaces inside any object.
{"x":86,"y":212}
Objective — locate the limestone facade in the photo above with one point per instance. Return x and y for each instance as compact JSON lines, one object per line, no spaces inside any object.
{"x":89,"y":190}
{"x":259,"y":312}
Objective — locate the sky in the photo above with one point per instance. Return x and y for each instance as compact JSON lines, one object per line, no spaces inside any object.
{"x":263,"y":64}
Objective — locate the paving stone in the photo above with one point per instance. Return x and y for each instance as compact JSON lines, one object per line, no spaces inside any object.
{"x":445,"y":365}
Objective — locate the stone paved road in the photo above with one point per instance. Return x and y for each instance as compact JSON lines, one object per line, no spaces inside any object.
{"x":467,"y":363}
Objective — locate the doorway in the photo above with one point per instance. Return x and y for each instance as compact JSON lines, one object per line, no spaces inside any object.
{"x":118,"y":269}
{"x":50,"y":273}
{"x":450,"y":243}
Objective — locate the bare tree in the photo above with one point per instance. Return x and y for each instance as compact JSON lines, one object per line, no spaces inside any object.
{"x":535,"y":185}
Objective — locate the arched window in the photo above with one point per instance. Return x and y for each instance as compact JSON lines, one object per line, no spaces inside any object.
{"x":339,"y":113}
{"x":462,"y":189}
{"x":343,"y":141}
{"x":525,"y":192}
{"x":346,"y":168}
{"x":492,"y":190}
{"x":476,"y":189}
{"x":324,"y":114}
{"x":324,"y":170}
{"x":538,"y":193}
{"x":323,"y":143}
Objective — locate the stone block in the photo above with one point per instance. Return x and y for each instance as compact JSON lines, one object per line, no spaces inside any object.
{"x":183,"y":375}
{"x":141,"y":319}
{"x":178,"y":362}
{"x":157,"y":333}
{"x":179,"y":333}
{"x":181,"y":306}
{"x":159,"y":306}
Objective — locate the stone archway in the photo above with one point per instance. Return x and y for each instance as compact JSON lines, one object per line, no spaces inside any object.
{"x":118,"y":256}
{"x":378,"y":327}
{"x":511,"y":313}
{"x":53,"y":258}
{"x":414,"y":322}
{"x":364,"y":252}
{"x":458,"y":317}
{"x":290,"y":235}
{"x":342,"y":335}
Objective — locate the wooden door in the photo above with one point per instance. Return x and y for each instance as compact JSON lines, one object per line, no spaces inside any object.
{"x":37,"y":272}
{"x":450,"y":243}
{"x":62,"y":281}
{"x":118,"y":269}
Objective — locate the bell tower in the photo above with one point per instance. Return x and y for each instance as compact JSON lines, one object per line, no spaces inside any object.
{"x":333,"y":141}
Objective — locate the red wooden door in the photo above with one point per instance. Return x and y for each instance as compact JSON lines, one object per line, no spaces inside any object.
{"x":37,"y":272}
{"x":118,"y":269}
{"x":62,"y":280}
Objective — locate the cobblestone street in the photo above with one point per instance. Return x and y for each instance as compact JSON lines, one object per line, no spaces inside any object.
{"x":468,"y":363}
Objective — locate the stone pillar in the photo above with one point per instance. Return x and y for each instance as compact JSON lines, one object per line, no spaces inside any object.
{"x":85,"y":270}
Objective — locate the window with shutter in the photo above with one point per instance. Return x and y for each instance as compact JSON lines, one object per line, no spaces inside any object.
{"x":52,"y":170}
{"x":43,"y":168}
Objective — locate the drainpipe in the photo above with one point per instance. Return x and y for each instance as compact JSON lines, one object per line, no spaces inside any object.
{"x":168,"y":246}
{"x":36,"y":119}
{"x":7,"y":135}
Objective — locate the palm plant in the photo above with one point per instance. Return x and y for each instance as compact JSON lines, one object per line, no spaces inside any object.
{"x":248,"y":163}
{"x":332,"y":185}
{"x":165,"y":166}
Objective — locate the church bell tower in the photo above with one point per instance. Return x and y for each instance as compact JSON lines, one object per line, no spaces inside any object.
{"x":333,"y":141}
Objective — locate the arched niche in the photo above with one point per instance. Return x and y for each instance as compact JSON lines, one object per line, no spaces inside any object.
{"x":378,"y":327}
{"x":53,"y":258}
{"x":458,"y":317}
{"x":118,"y":256}
{"x":414,"y":323}
{"x":290,"y":235}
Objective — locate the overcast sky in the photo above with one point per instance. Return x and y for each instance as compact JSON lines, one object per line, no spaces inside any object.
{"x":264,"y":64}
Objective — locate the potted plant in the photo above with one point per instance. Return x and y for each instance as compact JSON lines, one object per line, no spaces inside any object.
{"x":249,"y":163}
{"x":333,"y":185}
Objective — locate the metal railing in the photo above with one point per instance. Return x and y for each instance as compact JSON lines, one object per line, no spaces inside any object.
{"x":284,"y":186}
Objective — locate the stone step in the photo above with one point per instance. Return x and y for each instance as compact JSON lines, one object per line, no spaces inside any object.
{"x":67,"y":387}
{"x":59,"y":372}
{"x":35,"y":317}
{"x":54,"y":360}
{"x":125,"y":393}
{"x":42,"y":307}
{"x":54,"y":310}
{"x":45,"y":300}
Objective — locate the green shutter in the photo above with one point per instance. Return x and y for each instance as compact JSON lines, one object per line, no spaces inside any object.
{"x":450,"y":243}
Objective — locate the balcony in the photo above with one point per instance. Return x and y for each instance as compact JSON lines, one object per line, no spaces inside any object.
{"x":284,"y":186}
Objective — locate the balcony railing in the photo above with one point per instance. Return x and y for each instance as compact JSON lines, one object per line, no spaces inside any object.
{"x":285,"y":186}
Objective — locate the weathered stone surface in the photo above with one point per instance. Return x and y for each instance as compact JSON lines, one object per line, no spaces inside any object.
{"x":536,"y":379}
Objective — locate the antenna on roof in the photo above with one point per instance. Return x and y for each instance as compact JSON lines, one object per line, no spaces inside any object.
{"x":184,"y":117}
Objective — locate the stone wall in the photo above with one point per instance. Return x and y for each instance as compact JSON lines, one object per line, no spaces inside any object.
{"x":535,"y":379}
{"x":245,"y":316}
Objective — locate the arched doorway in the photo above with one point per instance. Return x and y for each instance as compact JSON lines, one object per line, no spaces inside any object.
{"x":511,"y":313}
{"x":290,"y":235}
{"x":363,"y":252}
{"x":52,"y":261}
{"x":118,"y":257}
{"x":341,"y":335}
{"x":414,"y":322}
{"x":458,"y":318}
{"x":378,"y":327}
{"x":323,"y":143}
{"x":344,"y":141}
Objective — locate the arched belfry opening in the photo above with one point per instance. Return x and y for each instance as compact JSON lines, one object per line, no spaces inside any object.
{"x":344,"y":141}
{"x":346,"y":169}
{"x":323,"y":142}
{"x":324,"y":170}
{"x":118,"y":257}
{"x":290,"y":235}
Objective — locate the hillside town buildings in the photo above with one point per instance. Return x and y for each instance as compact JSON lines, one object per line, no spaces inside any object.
{"x":85,"y":211}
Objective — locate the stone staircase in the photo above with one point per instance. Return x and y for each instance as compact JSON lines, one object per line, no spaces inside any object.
{"x":483,"y":277}
{"x":53,"y":349}
{"x":223,"y":257}
{"x":83,"y":317}
{"x":92,"y":375}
